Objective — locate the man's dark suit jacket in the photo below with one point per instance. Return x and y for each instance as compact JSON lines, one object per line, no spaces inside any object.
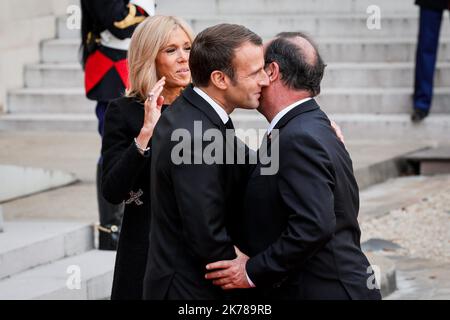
{"x":300,"y":225}
{"x":193,"y":207}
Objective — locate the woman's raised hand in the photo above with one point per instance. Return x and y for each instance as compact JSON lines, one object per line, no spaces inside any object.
{"x":153,"y":104}
{"x":152,"y":107}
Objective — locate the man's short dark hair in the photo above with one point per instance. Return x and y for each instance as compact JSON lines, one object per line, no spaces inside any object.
{"x":213,"y":49}
{"x":297,"y":71}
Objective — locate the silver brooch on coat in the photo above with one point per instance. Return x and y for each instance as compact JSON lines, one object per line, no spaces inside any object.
{"x":134,"y":197}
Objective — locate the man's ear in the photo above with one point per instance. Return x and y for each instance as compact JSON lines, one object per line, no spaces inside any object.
{"x":273,"y":71}
{"x":218,"y":79}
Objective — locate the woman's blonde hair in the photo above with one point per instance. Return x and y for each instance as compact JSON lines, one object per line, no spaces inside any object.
{"x":147,"y":40}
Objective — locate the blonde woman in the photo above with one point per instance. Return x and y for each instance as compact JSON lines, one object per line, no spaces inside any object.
{"x":159,"y":49}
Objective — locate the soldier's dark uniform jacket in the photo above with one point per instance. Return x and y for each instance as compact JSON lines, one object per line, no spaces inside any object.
{"x":434,"y":4}
{"x":106,"y":31}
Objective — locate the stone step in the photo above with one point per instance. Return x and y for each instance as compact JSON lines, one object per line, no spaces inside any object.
{"x":436,"y":127}
{"x":52,"y":75}
{"x":371,"y":101}
{"x":374,"y":160}
{"x":370,"y":126}
{"x":330,"y":25}
{"x":49,"y":100}
{"x":67,"y":27}
{"x":377,"y":160}
{"x":386,"y":49}
{"x":83,"y":122}
{"x":355,"y":126}
{"x":60,"y":51}
{"x":387,"y":280}
{"x":431,"y":161}
{"x":57,"y":281}
{"x":421,"y":279}
{"x":337,"y":75}
{"x":317,"y":25}
{"x":333,"y":100}
{"x":318,"y":7}
{"x":378,"y":100}
{"x":375,"y":101}
{"x":337,"y":49}
{"x":28,"y":244}
{"x":379,"y":75}
{"x":199,"y":8}
{"x":24,"y":181}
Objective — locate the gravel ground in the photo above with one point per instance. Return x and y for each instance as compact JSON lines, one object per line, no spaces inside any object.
{"x":421,"y":229}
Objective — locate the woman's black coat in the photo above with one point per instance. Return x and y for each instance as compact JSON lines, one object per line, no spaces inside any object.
{"x":126,"y":177}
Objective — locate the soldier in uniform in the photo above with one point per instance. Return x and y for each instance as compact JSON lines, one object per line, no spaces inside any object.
{"x":429,"y":28}
{"x":107,"y":26}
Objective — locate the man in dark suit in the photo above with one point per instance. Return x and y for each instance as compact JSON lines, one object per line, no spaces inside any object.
{"x":300,"y":224}
{"x":193,"y":199}
{"x":427,"y":48}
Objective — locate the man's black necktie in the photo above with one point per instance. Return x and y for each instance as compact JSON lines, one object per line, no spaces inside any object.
{"x":229,"y":124}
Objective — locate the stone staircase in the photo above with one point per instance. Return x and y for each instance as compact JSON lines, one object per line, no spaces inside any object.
{"x":367,"y":87}
{"x":43,"y":259}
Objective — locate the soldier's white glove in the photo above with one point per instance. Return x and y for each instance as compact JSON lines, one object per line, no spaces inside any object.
{"x":147,"y":5}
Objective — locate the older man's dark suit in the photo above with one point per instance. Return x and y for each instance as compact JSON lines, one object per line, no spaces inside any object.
{"x":300,"y":225}
{"x":192,"y":208}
